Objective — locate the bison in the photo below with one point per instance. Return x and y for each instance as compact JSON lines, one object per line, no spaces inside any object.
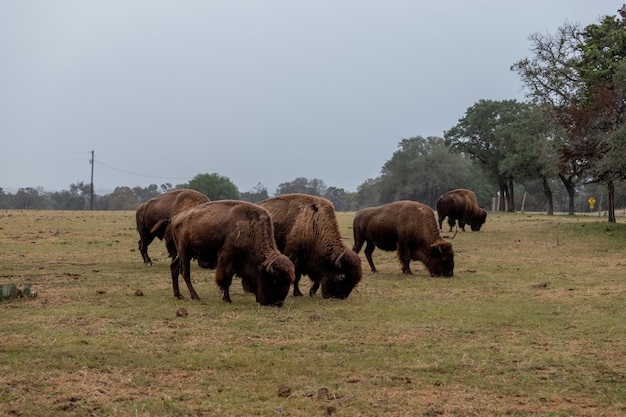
{"x":408,"y":227}
{"x":232,"y":237}
{"x":460,"y":205}
{"x":161,"y":207}
{"x":307,"y":231}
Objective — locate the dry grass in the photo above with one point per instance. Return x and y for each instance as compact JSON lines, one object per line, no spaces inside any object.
{"x":532,"y":324}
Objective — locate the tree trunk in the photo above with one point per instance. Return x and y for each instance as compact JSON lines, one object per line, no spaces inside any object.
{"x":511,"y":197}
{"x":571,"y":193}
{"x":611,"y":197}
{"x":548,"y":192}
{"x":503,"y":196}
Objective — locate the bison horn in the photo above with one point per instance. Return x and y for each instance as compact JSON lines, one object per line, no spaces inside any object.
{"x":269,"y":266}
{"x":338,"y":260}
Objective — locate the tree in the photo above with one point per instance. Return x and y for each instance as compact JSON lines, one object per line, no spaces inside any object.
{"x":67,"y":200}
{"x":145,"y":194}
{"x":339,"y":197}
{"x":166,"y":187}
{"x":602,"y":111}
{"x":258,"y":193}
{"x":532,"y":153}
{"x":302,"y":185}
{"x":76,"y":198}
{"x":29,"y":198}
{"x":421,"y":170}
{"x":214,"y":186}
{"x":554,"y":85}
{"x":368,"y":193}
{"x":4,"y":200}
{"x":580,"y":75}
{"x":123,"y":198}
{"x":487,"y":134}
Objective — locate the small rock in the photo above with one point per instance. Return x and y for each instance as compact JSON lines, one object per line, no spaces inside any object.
{"x":316,"y":316}
{"x":284,"y":391}
{"x":139,"y":293}
{"x":322,"y":393}
{"x":182,"y":312}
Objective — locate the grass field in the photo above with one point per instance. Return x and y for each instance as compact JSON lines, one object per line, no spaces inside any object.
{"x":533,"y":323}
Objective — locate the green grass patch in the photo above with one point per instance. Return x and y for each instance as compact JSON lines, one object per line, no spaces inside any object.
{"x":531,"y":324}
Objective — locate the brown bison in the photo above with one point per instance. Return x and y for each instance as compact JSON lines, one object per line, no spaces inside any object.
{"x":164,"y":206}
{"x":307,"y":231}
{"x":460,"y":205}
{"x":232,"y":237}
{"x":408,"y":227}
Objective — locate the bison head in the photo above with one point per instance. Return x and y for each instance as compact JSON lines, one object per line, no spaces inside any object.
{"x":340,"y":280}
{"x":277,"y":275}
{"x":440,"y":263}
{"x":478,"y":220}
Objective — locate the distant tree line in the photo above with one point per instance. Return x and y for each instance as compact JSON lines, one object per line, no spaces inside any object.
{"x":565,"y":144}
{"x":421,"y":169}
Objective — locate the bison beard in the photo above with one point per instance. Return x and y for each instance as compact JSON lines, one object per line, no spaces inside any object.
{"x":409,"y":228}
{"x":232,"y":237}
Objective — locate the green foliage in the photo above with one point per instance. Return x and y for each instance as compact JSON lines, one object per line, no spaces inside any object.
{"x":368,"y":193}
{"x":603,"y":51}
{"x":214,"y":186}
{"x":303,"y":185}
{"x":423,"y":169}
{"x":123,"y":198}
{"x":258,"y":193}
{"x":580,"y":75}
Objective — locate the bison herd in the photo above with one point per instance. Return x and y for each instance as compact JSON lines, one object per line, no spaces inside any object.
{"x":271,"y":244}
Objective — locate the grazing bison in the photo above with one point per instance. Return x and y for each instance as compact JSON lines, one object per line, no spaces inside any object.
{"x":164,"y":206}
{"x":408,"y":227}
{"x":232,"y":237}
{"x":307,"y":231}
{"x":460,"y":205}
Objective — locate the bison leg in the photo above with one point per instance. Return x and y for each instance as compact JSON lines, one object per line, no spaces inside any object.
{"x":314,"y":288}
{"x":226,"y":294}
{"x":440,"y":220}
{"x":175,"y":269}
{"x":358,"y":243}
{"x":404,"y":254}
{"x":224,"y":277}
{"x":451,"y":223}
{"x":144,"y":241}
{"x":186,"y":273}
{"x":461,"y":225}
{"x":369,"y":249}
{"x":296,"y":288}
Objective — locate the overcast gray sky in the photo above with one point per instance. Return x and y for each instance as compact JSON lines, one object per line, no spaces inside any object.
{"x":257,"y":91}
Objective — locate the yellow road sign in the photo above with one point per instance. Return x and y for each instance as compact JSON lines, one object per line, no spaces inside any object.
{"x":592,"y":202}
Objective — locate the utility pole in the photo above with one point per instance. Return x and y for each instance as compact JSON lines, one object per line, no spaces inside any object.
{"x":91,"y":162}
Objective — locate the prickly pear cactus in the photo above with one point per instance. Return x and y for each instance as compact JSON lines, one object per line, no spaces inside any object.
{"x":9,"y":291}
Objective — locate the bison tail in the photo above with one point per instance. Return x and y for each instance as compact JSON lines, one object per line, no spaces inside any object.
{"x":159,"y":228}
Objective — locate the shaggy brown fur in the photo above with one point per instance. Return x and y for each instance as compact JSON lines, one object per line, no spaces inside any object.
{"x":307,"y":231}
{"x":408,"y":227}
{"x":164,"y":206}
{"x":232,"y":237}
{"x":460,"y":205}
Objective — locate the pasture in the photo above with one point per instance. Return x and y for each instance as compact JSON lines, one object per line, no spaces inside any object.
{"x":533,"y":323}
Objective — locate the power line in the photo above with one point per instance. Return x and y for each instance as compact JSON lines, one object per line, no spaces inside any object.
{"x":138,"y":174}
